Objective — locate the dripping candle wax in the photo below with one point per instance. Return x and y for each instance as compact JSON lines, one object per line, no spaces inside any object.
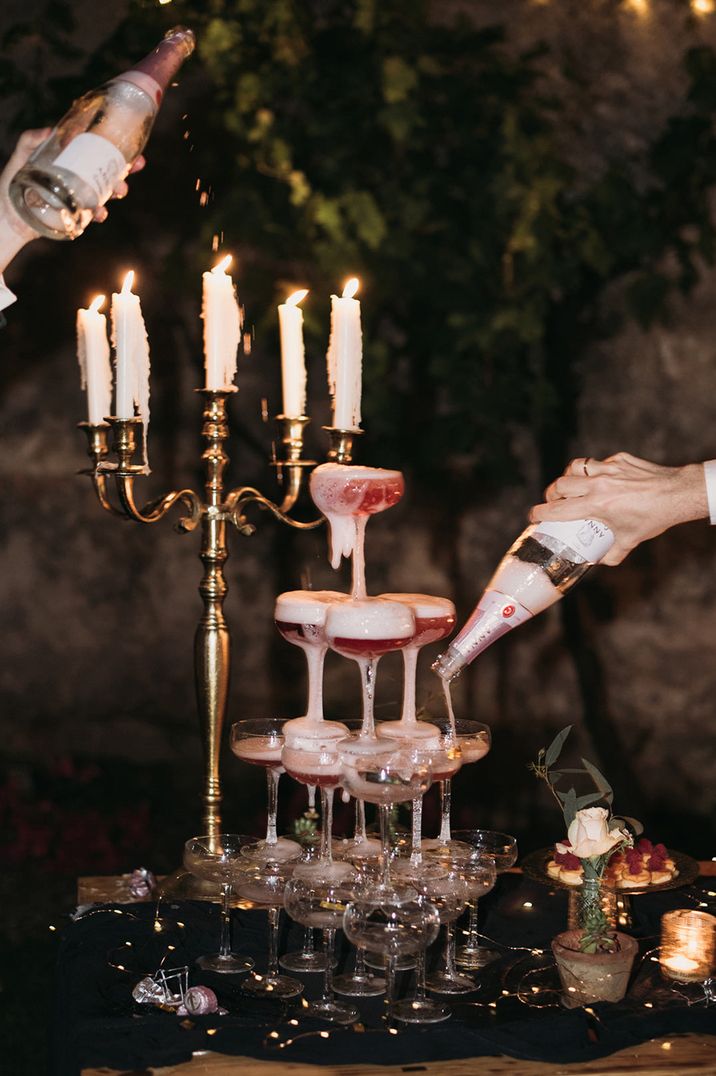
{"x":293,"y":360}
{"x":93,"y":357}
{"x":222,"y":326}
{"x":129,"y":336}
{"x":345,"y":357}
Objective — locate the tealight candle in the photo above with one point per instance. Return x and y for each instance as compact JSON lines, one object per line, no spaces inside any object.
{"x":688,"y":945}
{"x":345,"y":358}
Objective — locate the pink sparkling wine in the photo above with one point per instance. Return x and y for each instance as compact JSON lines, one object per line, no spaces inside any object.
{"x":259,"y":751}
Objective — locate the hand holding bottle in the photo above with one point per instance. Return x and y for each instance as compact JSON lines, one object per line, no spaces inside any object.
{"x":635,"y":498}
{"x":14,"y":231}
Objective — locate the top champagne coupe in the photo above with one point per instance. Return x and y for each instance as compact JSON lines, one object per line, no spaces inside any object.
{"x":347,"y":496}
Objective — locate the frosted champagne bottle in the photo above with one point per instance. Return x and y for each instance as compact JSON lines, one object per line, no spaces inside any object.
{"x":546,"y":561}
{"x":94,"y":145}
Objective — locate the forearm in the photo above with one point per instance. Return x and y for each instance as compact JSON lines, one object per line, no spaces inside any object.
{"x":13,"y":237}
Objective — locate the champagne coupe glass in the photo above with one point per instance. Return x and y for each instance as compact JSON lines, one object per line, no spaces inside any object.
{"x":392,"y":928}
{"x":318,"y":902}
{"x":503,"y":849}
{"x":264,"y":884}
{"x":448,"y":892}
{"x":365,"y":630}
{"x":384,"y":772}
{"x":307,"y":959}
{"x":313,"y":758}
{"x":347,"y":496}
{"x":362,"y":982}
{"x":434,"y":620}
{"x":216,"y":858}
{"x":300,"y":616}
{"x":259,"y":741}
{"x":473,"y":740}
{"x":478,"y":874}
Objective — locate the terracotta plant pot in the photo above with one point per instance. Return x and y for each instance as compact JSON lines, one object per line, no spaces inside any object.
{"x":588,"y":977}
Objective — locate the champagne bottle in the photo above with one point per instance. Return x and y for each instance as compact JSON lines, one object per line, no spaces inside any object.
{"x":94,"y":145}
{"x":546,"y":561}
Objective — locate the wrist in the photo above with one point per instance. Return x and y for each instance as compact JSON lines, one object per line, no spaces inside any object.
{"x":14,"y":235}
{"x":694,"y":501}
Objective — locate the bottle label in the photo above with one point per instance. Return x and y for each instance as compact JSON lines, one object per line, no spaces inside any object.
{"x":96,"y":161}
{"x":494,"y":615}
{"x":587,"y":537}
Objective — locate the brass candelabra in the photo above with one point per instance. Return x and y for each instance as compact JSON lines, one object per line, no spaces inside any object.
{"x":114,"y":468}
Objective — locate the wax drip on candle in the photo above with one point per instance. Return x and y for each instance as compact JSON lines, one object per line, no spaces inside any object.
{"x":344,"y":358}
{"x":223,"y":321}
{"x":129,"y":335}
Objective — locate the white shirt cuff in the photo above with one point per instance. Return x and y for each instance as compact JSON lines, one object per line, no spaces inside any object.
{"x":710,"y":476}
{"x":6,"y":296}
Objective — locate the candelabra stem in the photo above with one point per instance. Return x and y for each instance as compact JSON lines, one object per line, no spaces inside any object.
{"x":212,"y":641}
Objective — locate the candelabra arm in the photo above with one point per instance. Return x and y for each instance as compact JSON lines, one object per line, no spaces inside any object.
{"x":155,"y":510}
{"x":238,"y":500}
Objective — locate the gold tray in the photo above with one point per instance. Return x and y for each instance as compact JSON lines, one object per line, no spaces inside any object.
{"x":534,"y":866}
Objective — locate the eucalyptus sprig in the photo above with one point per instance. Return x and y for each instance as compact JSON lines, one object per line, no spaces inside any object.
{"x":569,"y":801}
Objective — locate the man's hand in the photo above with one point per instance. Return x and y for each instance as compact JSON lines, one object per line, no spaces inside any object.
{"x":637,"y":499}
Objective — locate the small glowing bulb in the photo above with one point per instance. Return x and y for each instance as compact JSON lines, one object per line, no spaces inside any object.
{"x":273,"y":1034}
{"x":51,"y":927}
{"x":323,"y":1034}
{"x":666,"y":1045}
{"x":527,"y":904}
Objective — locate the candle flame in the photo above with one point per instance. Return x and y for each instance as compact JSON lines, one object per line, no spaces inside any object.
{"x":703,"y":7}
{"x":297,"y":297}
{"x":128,"y":281}
{"x":97,"y":303}
{"x":223,"y":264}
{"x":351,"y":287}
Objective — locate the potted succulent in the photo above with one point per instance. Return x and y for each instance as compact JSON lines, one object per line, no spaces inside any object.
{"x":594,"y":961}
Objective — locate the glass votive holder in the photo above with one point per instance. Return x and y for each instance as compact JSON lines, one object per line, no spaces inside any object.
{"x":688,"y":945}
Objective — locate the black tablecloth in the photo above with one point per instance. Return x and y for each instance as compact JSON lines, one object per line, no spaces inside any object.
{"x":515,"y":1011}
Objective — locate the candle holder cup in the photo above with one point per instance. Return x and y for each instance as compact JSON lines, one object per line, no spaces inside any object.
{"x":341,"y":443}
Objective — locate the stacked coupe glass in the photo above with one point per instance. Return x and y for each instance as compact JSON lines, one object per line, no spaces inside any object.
{"x":389,"y":902}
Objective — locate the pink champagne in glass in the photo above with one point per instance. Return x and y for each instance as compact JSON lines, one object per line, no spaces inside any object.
{"x":365,"y":630}
{"x":347,"y":496}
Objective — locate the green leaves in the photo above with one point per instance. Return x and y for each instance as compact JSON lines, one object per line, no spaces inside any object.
{"x":553,"y":751}
{"x":570,"y":801}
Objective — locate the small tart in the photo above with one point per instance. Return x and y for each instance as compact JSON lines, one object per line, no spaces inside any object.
{"x":631,"y":881}
{"x":553,"y":869}
{"x":570,"y":877}
{"x":660,"y":877}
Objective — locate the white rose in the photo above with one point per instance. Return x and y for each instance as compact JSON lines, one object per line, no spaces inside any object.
{"x":588,"y":834}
